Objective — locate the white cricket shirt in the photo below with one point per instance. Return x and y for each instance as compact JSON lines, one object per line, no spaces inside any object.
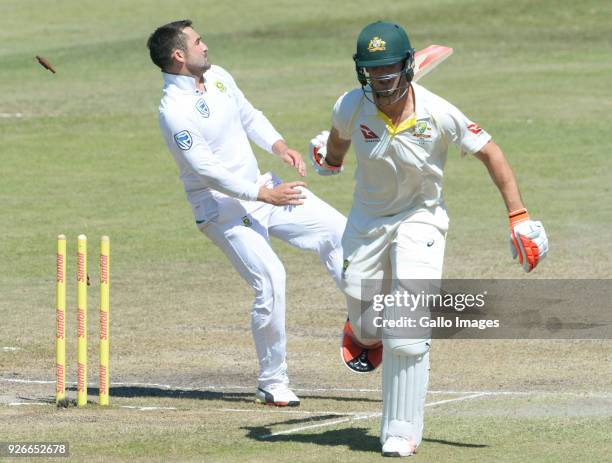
{"x":208,"y":135}
{"x":400,"y":169}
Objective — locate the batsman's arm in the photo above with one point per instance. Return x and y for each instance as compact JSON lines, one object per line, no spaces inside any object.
{"x":528,"y":240}
{"x":327,"y":151}
{"x":336,"y":148}
{"x":501,"y":173}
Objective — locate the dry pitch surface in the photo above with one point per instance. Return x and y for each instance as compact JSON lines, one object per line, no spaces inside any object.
{"x":173,"y":399}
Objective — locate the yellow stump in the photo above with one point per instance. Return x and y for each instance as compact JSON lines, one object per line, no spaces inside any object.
{"x":82,"y":321}
{"x":60,"y":320}
{"x":104,"y":320}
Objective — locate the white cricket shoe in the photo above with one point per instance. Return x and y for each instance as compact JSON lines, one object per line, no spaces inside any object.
{"x":396,"y":446}
{"x":276,"y":394}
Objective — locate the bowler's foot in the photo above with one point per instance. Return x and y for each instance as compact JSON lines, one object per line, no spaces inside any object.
{"x":276,"y":394}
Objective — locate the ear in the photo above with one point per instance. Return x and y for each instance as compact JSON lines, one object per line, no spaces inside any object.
{"x":178,"y":56}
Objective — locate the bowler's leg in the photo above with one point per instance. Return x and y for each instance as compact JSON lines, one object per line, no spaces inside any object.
{"x":312,"y":226}
{"x":249,"y":250}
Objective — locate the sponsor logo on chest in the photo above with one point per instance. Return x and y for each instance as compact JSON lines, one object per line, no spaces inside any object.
{"x":368,"y":134}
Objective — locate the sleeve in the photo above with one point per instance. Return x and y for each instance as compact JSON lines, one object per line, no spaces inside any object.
{"x":189,"y":147}
{"x":342,"y":115}
{"x":468,"y":136}
{"x":255,"y":123}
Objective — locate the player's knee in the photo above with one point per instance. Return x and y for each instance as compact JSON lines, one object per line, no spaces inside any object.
{"x":270,"y":289}
{"x":407,"y":347}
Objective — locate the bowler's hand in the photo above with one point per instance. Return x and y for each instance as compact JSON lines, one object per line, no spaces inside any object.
{"x":294,"y":159}
{"x":284,"y":194}
{"x":289,"y":156}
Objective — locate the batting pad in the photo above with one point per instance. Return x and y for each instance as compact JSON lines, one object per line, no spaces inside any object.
{"x":405,"y":379}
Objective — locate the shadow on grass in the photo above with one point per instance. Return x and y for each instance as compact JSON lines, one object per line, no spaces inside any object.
{"x":357,"y":439}
{"x":202,"y":394}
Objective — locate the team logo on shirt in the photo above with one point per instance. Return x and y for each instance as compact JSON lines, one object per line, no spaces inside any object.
{"x":422,"y":131}
{"x":220,"y":86}
{"x":377,"y":44}
{"x":183,"y":140}
{"x":246,"y":221}
{"x":368,"y":134}
{"x":202,"y":107}
{"x":475,"y":129}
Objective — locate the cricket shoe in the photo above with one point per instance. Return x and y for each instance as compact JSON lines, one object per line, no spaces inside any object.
{"x":276,"y":394}
{"x":357,"y":357}
{"x":396,"y":446}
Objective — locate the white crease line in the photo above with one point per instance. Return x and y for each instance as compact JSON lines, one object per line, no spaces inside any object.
{"x":288,"y":412}
{"x":134,"y":407}
{"x":10,"y":349}
{"x":26,"y":381}
{"x":165,"y":386}
{"x":361,"y":417}
{"x":439,"y":402}
{"x":330,"y":390}
{"x":146,"y":409}
{"x":16,"y":404}
{"x":10,"y":115}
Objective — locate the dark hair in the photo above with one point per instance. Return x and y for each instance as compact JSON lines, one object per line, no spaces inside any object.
{"x":165,"y":40}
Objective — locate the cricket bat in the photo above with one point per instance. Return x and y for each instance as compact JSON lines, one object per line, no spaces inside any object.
{"x":427,"y":59}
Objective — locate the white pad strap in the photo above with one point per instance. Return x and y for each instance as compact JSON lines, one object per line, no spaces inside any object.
{"x":405,"y":380}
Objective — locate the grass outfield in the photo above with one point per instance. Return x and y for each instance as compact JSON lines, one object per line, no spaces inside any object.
{"x":82,"y":153}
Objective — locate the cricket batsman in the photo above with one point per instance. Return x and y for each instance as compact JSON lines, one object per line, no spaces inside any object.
{"x":397,"y":225}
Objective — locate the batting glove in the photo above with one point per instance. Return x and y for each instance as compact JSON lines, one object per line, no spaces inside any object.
{"x":528,"y":239}
{"x":318,"y":152}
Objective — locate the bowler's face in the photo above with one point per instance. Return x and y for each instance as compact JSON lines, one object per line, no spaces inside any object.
{"x":196,"y":58}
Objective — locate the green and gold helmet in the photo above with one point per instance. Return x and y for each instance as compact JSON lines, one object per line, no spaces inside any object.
{"x":382,"y":44}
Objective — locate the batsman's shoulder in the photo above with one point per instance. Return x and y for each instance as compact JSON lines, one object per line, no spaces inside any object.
{"x":432,"y":101}
{"x":425,"y":94}
{"x":347,"y":102}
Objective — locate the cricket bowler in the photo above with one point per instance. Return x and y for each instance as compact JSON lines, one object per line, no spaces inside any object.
{"x":208,"y":123}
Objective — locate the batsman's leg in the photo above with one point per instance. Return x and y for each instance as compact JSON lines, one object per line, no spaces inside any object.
{"x":417,"y":257}
{"x":405,"y":379}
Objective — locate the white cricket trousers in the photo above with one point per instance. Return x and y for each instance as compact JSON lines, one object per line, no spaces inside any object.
{"x":415,"y":252}
{"x":313,"y":226}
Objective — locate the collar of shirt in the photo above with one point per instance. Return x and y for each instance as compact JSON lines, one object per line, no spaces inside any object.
{"x":419,"y":113}
{"x":186,"y":84}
